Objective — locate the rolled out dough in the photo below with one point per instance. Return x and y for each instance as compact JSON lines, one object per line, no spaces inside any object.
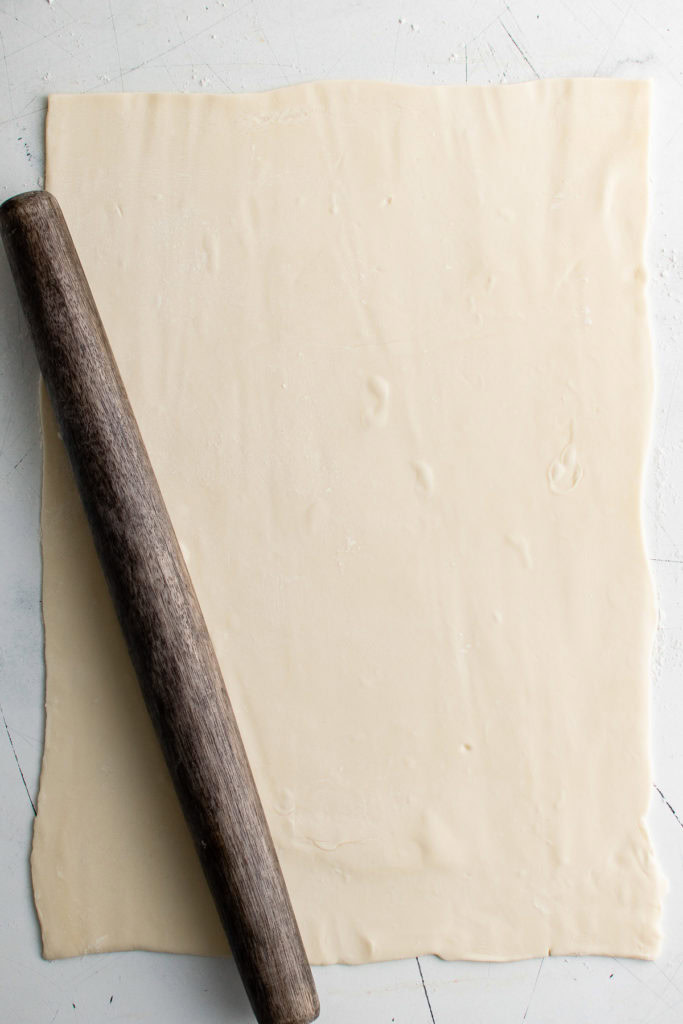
{"x":388,"y":348}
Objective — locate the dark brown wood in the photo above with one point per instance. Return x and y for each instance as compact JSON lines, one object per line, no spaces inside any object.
{"x":158,"y":610}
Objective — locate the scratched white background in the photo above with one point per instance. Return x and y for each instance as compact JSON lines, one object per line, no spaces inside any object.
{"x":236,"y":45}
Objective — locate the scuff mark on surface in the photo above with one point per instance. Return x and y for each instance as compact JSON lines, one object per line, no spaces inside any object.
{"x":655,"y":786}
{"x":533,"y":991}
{"x":519,"y":49}
{"x":16,"y":758}
{"x":424,"y":989}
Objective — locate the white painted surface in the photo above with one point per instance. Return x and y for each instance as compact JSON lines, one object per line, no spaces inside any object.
{"x":237,"y":45}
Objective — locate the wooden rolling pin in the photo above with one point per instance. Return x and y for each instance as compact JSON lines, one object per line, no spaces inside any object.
{"x":159,"y":613}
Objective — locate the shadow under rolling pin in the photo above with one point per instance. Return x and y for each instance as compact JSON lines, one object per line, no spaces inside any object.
{"x":158,"y":611}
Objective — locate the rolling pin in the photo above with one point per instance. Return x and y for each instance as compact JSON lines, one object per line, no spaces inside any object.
{"x":158,"y":610}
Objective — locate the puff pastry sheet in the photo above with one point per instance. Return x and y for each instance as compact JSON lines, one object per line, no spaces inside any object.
{"x":389,"y":352}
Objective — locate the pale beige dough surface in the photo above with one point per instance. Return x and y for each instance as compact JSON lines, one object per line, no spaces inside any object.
{"x":388,"y":349}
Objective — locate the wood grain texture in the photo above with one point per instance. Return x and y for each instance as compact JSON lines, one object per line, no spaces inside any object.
{"x":159,"y":613}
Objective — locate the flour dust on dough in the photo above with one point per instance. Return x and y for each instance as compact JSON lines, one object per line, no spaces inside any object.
{"x":388,"y":349}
